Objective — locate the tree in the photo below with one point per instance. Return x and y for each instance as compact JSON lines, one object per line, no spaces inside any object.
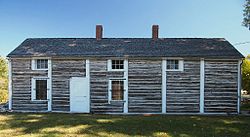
{"x":3,"y":68}
{"x":246,"y":74}
{"x":3,"y":80}
{"x":246,"y":14}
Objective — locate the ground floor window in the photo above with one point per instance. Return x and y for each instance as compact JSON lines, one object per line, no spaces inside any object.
{"x":116,"y":90}
{"x":40,"y":87}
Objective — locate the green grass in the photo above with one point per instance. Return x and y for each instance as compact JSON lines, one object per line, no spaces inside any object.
{"x":245,"y":107}
{"x":28,"y":124}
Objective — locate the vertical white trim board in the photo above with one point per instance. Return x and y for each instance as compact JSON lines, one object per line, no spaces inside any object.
{"x":125,"y":107}
{"x":109,"y":90}
{"x":109,"y":65}
{"x":181,"y":65}
{"x":164,"y":88}
{"x":202,"y":79}
{"x":10,"y":83}
{"x":87,"y":65}
{"x":239,"y":86}
{"x":33,"y":64}
{"x":33,"y":91}
{"x":87,"y":68}
{"x":49,"y":95}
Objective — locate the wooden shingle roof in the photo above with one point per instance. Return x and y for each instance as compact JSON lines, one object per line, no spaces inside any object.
{"x":131,"y":47}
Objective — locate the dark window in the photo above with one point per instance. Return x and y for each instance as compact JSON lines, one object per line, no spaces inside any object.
{"x":41,"y":89}
{"x":42,"y":64}
{"x":117,"y":89}
{"x":172,"y":64}
{"x":117,"y":64}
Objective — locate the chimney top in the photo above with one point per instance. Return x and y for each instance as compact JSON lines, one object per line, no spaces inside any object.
{"x":155,"y":32}
{"x":99,"y":31}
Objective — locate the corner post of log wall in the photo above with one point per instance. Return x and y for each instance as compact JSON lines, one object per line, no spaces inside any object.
{"x":125,"y":108}
{"x":50,"y":84}
{"x":164,"y":88}
{"x":202,"y":79}
{"x":10,"y":83}
{"x":239,"y":86}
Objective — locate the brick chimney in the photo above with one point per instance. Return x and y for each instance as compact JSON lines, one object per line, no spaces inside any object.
{"x":155,"y":32}
{"x":99,"y":32}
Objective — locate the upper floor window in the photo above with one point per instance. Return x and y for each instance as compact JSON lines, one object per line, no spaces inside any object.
{"x":40,"y":64}
{"x":174,"y":65}
{"x":115,"y":65}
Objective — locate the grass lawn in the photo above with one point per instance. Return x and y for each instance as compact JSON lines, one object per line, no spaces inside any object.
{"x":245,"y":105}
{"x":28,"y":124}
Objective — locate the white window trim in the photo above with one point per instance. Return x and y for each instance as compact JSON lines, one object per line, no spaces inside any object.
{"x":110,"y":90}
{"x":34,"y":65}
{"x":110,"y":65}
{"x":33,"y":87}
{"x":180,"y":63}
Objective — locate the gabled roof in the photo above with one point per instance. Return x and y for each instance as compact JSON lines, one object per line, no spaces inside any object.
{"x":132,"y":47}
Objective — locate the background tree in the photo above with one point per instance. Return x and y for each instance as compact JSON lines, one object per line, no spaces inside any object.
{"x":3,"y":80}
{"x":246,"y":74}
{"x":246,"y":14}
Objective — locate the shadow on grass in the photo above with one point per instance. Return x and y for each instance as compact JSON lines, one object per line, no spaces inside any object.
{"x":106,"y":125}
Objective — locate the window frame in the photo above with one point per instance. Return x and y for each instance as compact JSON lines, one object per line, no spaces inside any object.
{"x":110,"y":65}
{"x":110,"y":90}
{"x":34,"y":63}
{"x":180,"y":64}
{"x":34,"y":91}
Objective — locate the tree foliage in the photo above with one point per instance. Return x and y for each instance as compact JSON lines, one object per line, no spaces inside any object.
{"x":3,"y":80}
{"x":246,"y":14}
{"x":246,"y":74}
{"x":3,"y":68}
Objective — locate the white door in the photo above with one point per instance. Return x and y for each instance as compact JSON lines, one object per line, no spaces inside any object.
{"x":79,"y":95}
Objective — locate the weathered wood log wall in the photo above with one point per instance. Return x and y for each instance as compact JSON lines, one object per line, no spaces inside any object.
{"x":99,"y":77}
{"x":22,"y":75}
{"x":144,"y":86}
{"x":220,"y":86}
{"x":62,"y":71}
{"x":183,"y":88}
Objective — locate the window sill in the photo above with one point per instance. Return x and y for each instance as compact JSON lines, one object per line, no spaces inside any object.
{"x":39,"y":100}
{"x":40,"y":69}
{"x":116,"y":101}
{"x":116,"y":70}
{"x":174,"y":70}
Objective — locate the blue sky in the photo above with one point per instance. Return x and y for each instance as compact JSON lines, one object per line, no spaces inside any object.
{"x":21,"y":19}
